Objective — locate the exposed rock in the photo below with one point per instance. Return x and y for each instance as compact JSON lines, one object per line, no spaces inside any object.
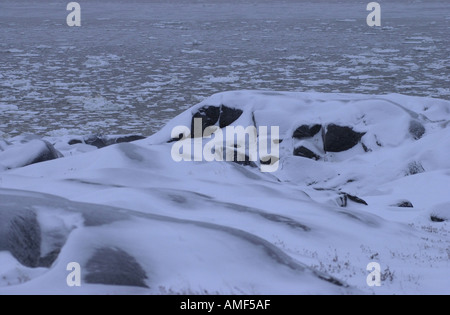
{"x":305,"y":131}
{"x":48,"y":260}
{"x":28,"y":153}
{"x":125,"y":139}
{"x":241,"y":158}
{"x":210,"y":116}
{"x":344,"y":197}
{"x":415,"y":168}
{"x":269,"y":160}
{"x":441,"y":213}
{"x":103,"y":141}
{"x":404,"y":204}
{"x":366,"y":149}
{"x":416,"y":129}
{"x":338,"y":139}
{"x":96,"y":141}
{"x":75,"y":141}
{"x":437,"y":219}
{"x":357,"y":199}
{"x":342,"y":201}
{"x":228,"y":116}
{"x":50,"y":153}
{"x":113,"y":266}
{"x":24,"y":238}
{"x":180,"y":137}
{"x":53,"y":239}
{"x":306,"y":153}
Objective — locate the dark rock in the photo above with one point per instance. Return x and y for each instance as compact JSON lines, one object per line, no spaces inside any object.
{"x":101,"y":141}
{"x":113,"y":266}
{"x":46,"y":153}
{"x":210,"y":116}
{"x":96,"y":141}
{"x":357,"y":200}
{"x":304,"y":132}
{"x":124,"y":139}
{"x":366,"y":149}
{"x":339,"y":139}
{"x":53,"y":240}
{"x":404,"y":204}
{"x":30,"y":152}
{"x":228,"y":116}
{"x":342,"y":201}
{"x":180,"y":137}
{"x":344,"y":197}
{"x":331,"y":280}
{"x":49,"y":259}
{"x":437,"y":219}
{"x":306,"y":153}
{"x":254,"y":120}
{"x":24,"y":238}
{"x":75,"y":141}
{"x":241,"y":159}
{"x":415,"y":168}
{"x":416,"y":129}
{"x":269,"y":160}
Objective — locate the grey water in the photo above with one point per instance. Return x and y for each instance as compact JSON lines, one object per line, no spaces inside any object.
{"x":133,"y":65}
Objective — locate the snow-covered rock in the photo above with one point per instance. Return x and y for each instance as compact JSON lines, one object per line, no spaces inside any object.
{"x":312,"y":226}
{"x":121,"y":249}
{"x":99,"y":141}
{"x":27,"y":153}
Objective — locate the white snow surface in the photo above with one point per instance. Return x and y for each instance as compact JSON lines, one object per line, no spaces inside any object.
{"x":220,"y":227}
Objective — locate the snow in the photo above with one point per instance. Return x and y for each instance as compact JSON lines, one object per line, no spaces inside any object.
{"x":218,"y":227}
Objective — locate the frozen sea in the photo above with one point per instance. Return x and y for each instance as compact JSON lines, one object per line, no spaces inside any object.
{"x":133,"y":65}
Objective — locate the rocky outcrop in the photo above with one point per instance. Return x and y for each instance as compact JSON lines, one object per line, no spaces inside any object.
{"x":441,"y":213}
{"x":209,"y":115}
{"x":404,"y":204}
{"x":435,"y":218}
{"x":113,"y":266}
{"x":104,"y":141}
{"x":416,"y":129}
{"x":213,"y":115}
{"x":20,"y":234}
{"x":339,"y":139}
{"x":414,"y":168}
{"x":46,"y":154}
{"x":306,"y":153}
{"x":344,"y":198}
{"x":242,"y":159}
{"x":306,"y":131}
{"x":228,"y":116}
{"x":28,"y":153}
